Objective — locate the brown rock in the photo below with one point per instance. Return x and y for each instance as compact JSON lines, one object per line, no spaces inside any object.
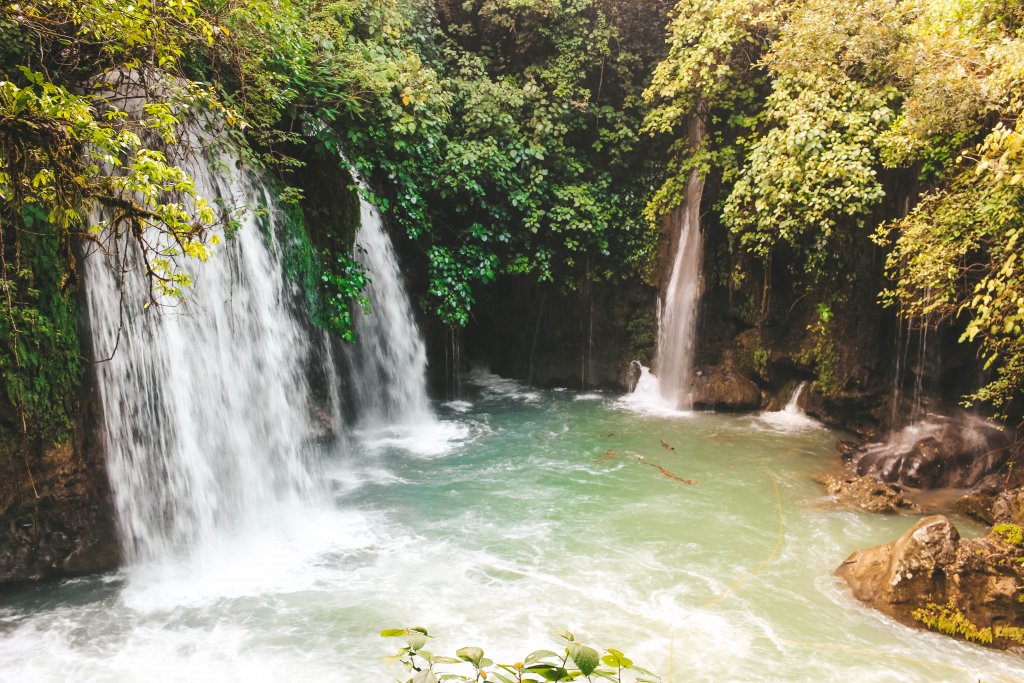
{"x":1009,"y":506}
{"x":976,"y":506}
{"x":862,"y":493}
{"x":890,"y":576}
{"x":930,"y":569}
{"x":942,"y":451}
{"x":723,"y":388}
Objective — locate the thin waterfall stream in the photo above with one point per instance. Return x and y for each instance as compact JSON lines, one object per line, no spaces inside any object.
{"x":389,"y":362}
{"x":669,"y":385}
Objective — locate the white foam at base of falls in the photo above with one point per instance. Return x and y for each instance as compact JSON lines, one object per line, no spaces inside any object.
{"x":792,"y":417}
{"x":647,"y":397}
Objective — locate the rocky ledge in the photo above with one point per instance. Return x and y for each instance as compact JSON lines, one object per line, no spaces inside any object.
{"x":862,"y":493}
{"x":932,"y":578}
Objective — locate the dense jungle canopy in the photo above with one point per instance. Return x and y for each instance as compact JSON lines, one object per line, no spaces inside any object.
{"x":540,"y":139}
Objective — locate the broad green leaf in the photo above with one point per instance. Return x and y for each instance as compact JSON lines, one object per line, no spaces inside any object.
{"x":425,"y":677}
{"x":470,"y":654}
{"x":548,"y":672}
{"x":415,"y":639}
{"x":538,"y":655}
{"x":586,"y":658}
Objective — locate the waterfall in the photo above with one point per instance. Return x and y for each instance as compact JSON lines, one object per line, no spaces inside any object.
{"x":207,"y":411}
{"x":678,"y":322}
{"x":792,"y":417}
{"x":677,"y":317}
{"x":793,"y":405}
{"x":389,"y":359}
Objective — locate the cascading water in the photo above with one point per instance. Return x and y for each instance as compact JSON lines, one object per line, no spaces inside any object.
{"x":207,"y":412}
{"x":677,"y":318}
{"x":792,"y":417}
{"x":389,"y":360}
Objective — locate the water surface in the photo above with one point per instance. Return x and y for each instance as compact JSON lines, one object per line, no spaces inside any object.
{"x":520,"y":512}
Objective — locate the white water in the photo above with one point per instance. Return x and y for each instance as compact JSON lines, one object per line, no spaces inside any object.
{"x":647,"y":398}
{"x":677,"y":318}
{"x":792,"y":417}
{"x":207,"y":412}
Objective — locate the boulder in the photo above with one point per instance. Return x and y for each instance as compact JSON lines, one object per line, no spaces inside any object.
{"x":931,"y":577}
{"x":724,"y":388}
{"x":1008,"y":507}
{"x":959,"y":451}
{"x":899,"y":574}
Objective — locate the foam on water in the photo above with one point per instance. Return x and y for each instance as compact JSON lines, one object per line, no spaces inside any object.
{"x":461,"y":407}
{"x":648,"y":399}
{"x":494,"y":386}
{"x":431,"y":439}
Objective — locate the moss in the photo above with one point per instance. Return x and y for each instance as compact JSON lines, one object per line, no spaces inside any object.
{"x":643,"y":337}
{"x":316,"y":255}
{"x":1010,"y":533}
{"x":40,"y":351}
{"x":1012,"y":633}
{"x":951,"y":621}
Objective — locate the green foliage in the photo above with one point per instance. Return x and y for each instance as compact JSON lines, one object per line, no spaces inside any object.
{"x":469,"y":664}
{"x":821,"y":352}
{"x":812,"y":170}
{"x":39,"y":360}
{"x":1010,"y":533}
{"x":711,"y":74}
{"x":807,"y":103}
{"x":331,"y":281}
{"x":344,"y":284}
{"x":515,"y":156}
{"x":759,"y":361}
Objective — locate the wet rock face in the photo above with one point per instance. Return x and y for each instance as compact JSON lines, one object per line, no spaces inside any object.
{"x":724,"y":388}
{"x":862,"y":493}
{"x":930,"y":569}
{"x":890,"y":577}
{"x":962,"y":451}
{"x":56,"y":518}
{"x":1008,"y":506}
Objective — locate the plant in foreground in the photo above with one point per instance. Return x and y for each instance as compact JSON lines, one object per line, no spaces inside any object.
{"x":577,"y":661}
